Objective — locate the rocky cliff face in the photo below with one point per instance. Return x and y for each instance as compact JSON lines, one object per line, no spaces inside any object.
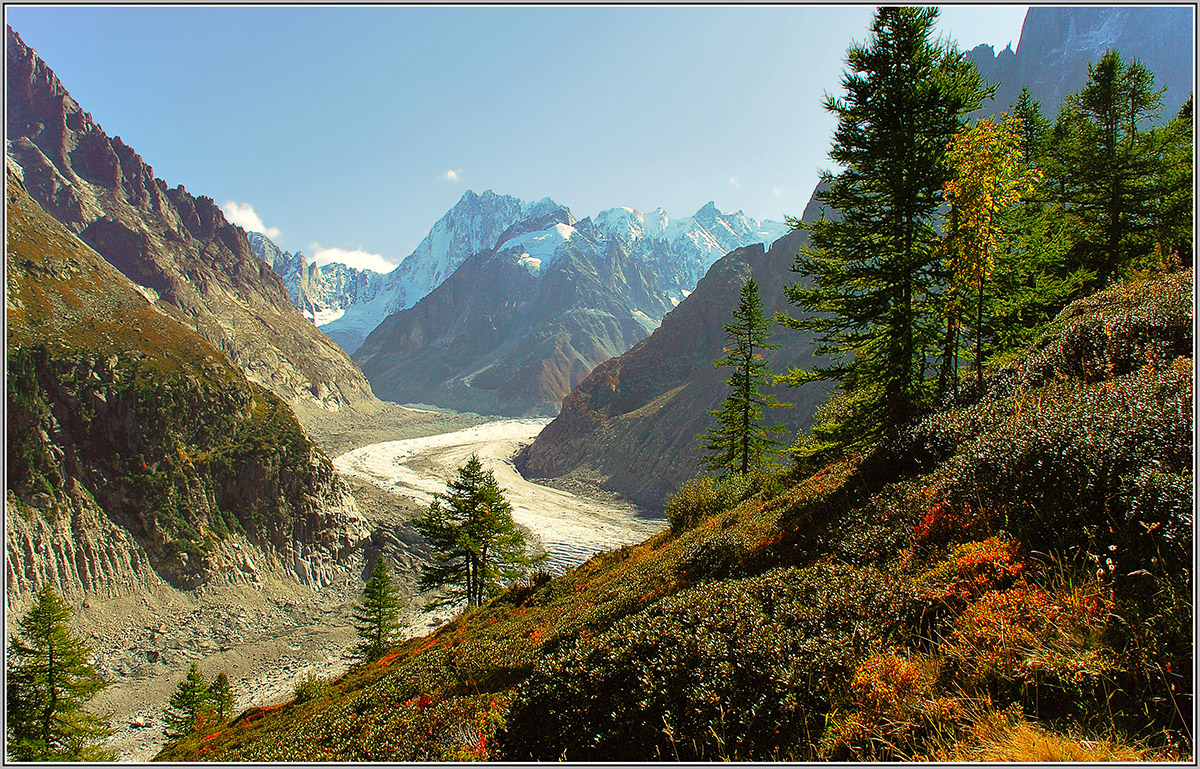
{"x":321,"y":292}
{"x":137,"y":453}
{"x":178,"y":246}
{"x":631,"y":425}
{"x":471,"y":226}
{"x":1057,"y":44}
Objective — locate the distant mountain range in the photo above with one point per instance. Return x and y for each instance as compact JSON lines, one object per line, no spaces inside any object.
{"x":523,"y":320}
{"x":348,"y":303}
{"x":322,"y":292}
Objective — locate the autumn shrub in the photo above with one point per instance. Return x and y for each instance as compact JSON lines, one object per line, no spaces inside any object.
{"x":893,"y":706}
{"x":732,"y":669}
{"x":703,"y":497}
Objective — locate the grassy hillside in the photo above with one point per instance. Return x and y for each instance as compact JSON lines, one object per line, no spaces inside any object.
{"x":1011,"y":579}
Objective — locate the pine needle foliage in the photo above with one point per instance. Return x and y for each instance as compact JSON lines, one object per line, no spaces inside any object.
{"x":477,"y":548}
{"x":1107,"y":163}
{"x":188,"y":706}
{"x":872,"y":293}
{"x":377,"y":617}
{"x":740,"y":442}
{"x":50,"y":678}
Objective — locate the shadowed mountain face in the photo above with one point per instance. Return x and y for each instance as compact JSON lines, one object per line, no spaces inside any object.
{"x":177,"y":246}
{"x":137,"y":452}
{"x":631,"y":426}
{"x":1058,"y":43}
{"x":519,"y":324}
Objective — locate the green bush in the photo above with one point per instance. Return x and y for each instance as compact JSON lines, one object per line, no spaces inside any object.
{"x":701,"y":498}
{"x":731,"y":669}
{"x":311,"y":688}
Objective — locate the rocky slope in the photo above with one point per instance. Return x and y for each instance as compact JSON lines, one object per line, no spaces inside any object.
{"x":1057,"y":44}
{"x":138,"y":455}
{"x":631,"y":426}
{"x":322,"y":292}
{"x":1008,"y":580}
{"x":518,"y":325}
{"x":178,"y":247}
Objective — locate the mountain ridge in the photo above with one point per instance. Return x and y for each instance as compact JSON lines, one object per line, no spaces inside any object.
{"x":176,"y":245}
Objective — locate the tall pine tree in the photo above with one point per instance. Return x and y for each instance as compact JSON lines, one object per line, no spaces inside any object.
{"x":873,"y":296}
{"x":477,"y":547}
{"x":1106,"y":151}
{"x":377,"y":616}
{"x":740,"y":441}
{"x":50,"y":678}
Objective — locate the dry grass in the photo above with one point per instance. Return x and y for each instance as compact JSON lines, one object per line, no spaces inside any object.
{"x":1008,"y":736}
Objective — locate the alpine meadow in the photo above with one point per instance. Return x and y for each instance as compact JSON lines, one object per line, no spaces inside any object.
{"x":902,"y":474}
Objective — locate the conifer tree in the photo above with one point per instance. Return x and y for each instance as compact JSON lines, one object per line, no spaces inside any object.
{"x":873,"y":296}
{"x":1032,"y":126}
{"x":1173,"y":213}
{"x":740,"y":441}
{"x":1107,"y":168}
{"x":220,"y":697}
{"x":188,"y":706}
{"x":477,"y":547}
{"x":377,"y":617}
{"x":49,"y":678}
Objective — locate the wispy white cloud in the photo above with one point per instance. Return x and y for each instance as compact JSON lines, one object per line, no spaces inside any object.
{"x":779,"y":192}
{"x":734,"y":181}
{"x":243,"y":215}
{"x":453,"y":175}
{"x":357,"y":258}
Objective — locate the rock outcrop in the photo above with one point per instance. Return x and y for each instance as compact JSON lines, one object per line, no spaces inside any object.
{"x":173,"y":244}
{"x":1058,"y":43}
{"x":138,"y":454}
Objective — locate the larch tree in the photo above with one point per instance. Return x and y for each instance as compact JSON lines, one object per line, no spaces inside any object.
{"x":741,"y":441}
{"x":377,"y":616}
{"x":987,"y":178}
{"x":477,"y":547}
{"x":874,"y":296}
{"x":1106,"y":150}
{"x":220,"y":697}
{"x":188,"y":706}
{"x":49,"y":679}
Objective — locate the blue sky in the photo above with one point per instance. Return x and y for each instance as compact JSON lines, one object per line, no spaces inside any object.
{"x":347,"y":132}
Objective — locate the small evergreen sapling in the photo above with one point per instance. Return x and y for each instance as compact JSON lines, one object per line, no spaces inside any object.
{"x":220,"y":696}
{"x":377,"y":617}
{"x":740,"y":441}
{"x":188,"y":706}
